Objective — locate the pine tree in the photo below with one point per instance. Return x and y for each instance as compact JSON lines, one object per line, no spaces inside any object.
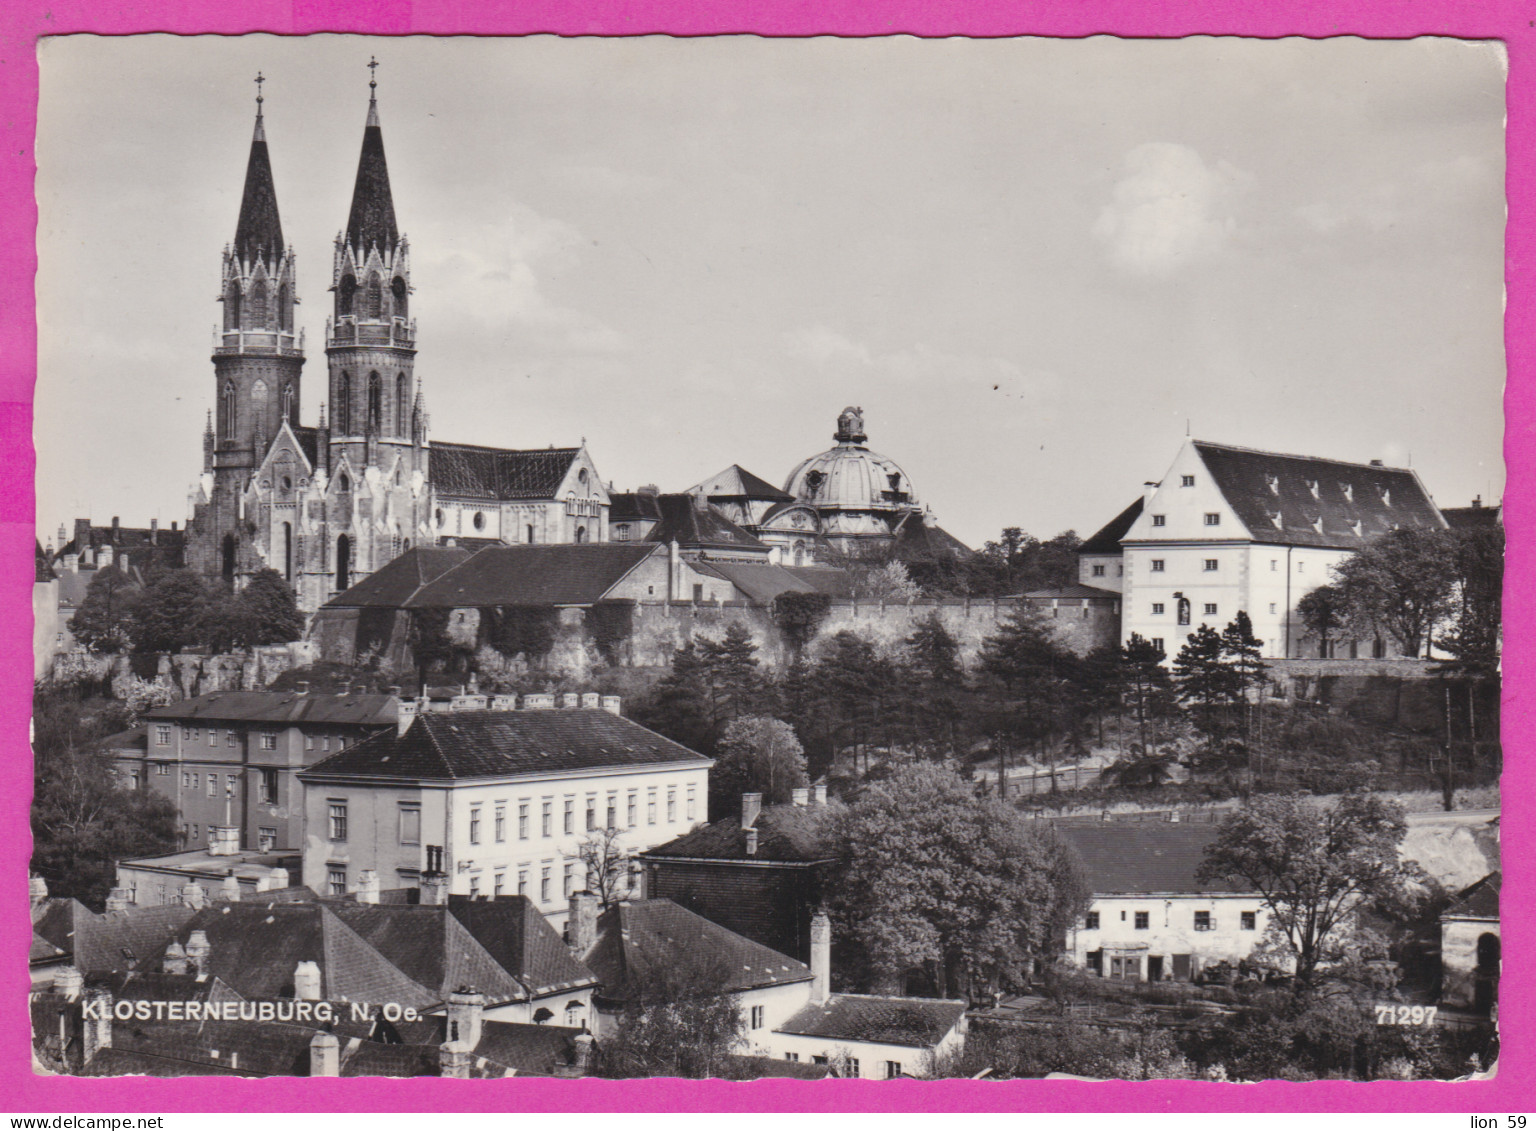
{"x":801,"y":701}
{"x":935,"y":684}
{"x":732,"y":677}
{"x":679,"y":707}
{"x":1146,"y":689}
{"x":1032,"y":671}
{"x":1205,"y":681}
{"x":1242,"y":650}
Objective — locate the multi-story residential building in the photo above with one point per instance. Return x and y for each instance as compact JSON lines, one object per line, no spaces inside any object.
{"x":499,"y":801}
{"x":229,"y":758}
{"x":1151,"y":918}
{"x":1231,"y":530}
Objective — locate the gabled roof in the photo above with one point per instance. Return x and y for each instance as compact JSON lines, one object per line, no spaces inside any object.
{"x":1142,"y":857}
{"x":736,"y":482}
{"x":918,"y":536}
{"x":564,"y":574}
{"x":682,"y":519}
{"x":919,"y":1023}
{"x":283,"y":708}
{"x":431,"y":947}
{"x":259,"y":231}
{"x":795,"y":834}
{"x":474,"y":472}
{"x":518,"y":936}
{"x":54,"y":922}
{"x":1106,"y":540}
{"x":1474,"y":517}
{"x":1306,"y":501}
{"x":495,"y":744}
{"x":1480,"y":901}
{"x":119,"y":941}
{"x":759,"y":581}
{"x":395,"y":582}
{"x":652,"y":938}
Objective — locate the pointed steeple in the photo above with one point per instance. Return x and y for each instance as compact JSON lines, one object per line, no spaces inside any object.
{"x":259,"y":232}
{"x":372,"y":219}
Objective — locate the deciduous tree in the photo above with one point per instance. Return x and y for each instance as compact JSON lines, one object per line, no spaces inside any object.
{"x":105,"y":619}
{"x":274,"y":613}
{"x":1402,"y":584}
{"x":756,"y":754}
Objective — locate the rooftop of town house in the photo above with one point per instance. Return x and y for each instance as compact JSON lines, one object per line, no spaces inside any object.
{"x":1142,"y":857}
{"x":793,"y":834}
{"x":195,"y":863}
{"x":919,"y":1023}
{"x":494,"y":744}
{"x":392,"y":584}
{"x":1478,"y":901}
{"x":283,"y":708}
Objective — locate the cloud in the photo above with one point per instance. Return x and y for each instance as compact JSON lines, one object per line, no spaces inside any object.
{"x":917,"y":367}
{"x":499,"y":282}
{"x":1170,"y":209}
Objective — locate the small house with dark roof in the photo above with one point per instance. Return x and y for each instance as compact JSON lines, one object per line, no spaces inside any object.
{"x":699,"y":529}
{"x":1471,"y":947}
{"x":869,"y":1037}
{"x":536,"y":496}
{"x":229,"y":758}
{"x":1231,"y":530}
{"x":1151,"y":918}
{"x":758,"y":873}
{"x":496,"y":802}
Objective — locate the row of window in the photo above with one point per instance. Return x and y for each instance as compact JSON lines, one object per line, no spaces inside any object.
{"x":1212,"y":518}
{"x":266,"y":782}
{"x":1247,"y":920}
{"x":893,"y":1069}
{"x":337,"y":882}
{"x":267,"y":740}
{"x":266,"y":836}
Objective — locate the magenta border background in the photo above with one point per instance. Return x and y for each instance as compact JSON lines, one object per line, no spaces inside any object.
{"x":22,"y":21}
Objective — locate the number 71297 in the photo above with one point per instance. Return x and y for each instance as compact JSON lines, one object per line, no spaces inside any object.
{"x":1406,"y":1014}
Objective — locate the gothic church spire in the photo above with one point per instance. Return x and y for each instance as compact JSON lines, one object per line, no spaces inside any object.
{"x":372,"y":219}
{"x":259,"y":232}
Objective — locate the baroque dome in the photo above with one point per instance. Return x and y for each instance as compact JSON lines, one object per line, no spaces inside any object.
{"x":850,"y":476}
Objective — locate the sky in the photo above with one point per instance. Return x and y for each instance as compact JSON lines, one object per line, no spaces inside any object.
{"x":1033,"y":263}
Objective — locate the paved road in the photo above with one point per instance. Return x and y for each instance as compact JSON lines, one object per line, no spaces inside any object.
{"x":1456,"y":817}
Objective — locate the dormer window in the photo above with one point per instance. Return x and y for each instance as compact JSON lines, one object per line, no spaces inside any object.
{"x":1273,"y":481}
{"x":1312,"y":486}
{"x":1349,"y":491}
{"x":1386,"y":496}
{"x":1317,"y":524}
{"x":1354,"y":526}
{"x":1277,"y":520}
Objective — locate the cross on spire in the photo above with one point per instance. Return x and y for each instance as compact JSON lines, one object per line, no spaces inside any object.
{"x":373,"y":78}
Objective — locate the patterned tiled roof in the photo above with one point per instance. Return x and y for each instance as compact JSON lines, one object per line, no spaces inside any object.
{"x":371,"y":221}
{"x":469,"y":471}
{"x":795,"y":834}
{"x":1142,"y":857}
{"x":483,"y":744}
{"x":283,"y":708}
{"x":919,"y":1023}
{"x":394,"y":583}
{"x":1305,"y":501}
{"x":653,"y":938}
{"x":562,"y":574}
{"x":1106,"y":540}
{"x":259,"y":231}
{"x":1480,"y":901}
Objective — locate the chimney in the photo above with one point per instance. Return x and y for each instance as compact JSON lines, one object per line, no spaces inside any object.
{"x":306,"y":981}
{"x":192,"y":895}
{"x":115,"y":525}
{"x":198,"y":952}
{"x":821,"y":793}
{"x":503,"y":703}
{"x":581,"y":924}
{"x":98,"y":1025}
{"x":120,"y":899}
{"x":591,"y":701}
{"x":474,"y":683}
{"x":542,"y":702}
{"x":583,"y":1043}
{"x":301,"y":687}
{"x":455,"y":1060}
{"x":230,"y":889}
{"x":801,"y":796}
{"x":39,"y":889}
{"x":225,"y":841}
{"x":433,"y":889}
{"x":821,"y":958}
{"x":175,"y":961}
{"x":1173,"y":816}
{"x":466,"y":1009}
{"x":324,"y":1055}
{"x":570,"y":699}
{"x":1377,"y":463}
{"x":751,"y":842}
{"x":751,"y":806}
{"x":368,"y":886}
{"x":154,"y":532}
{"x":68,"y":981}
{"x":611,"y":704}
{"x":277,"y":879}
{"x":173,"y":526}
{"x":405,"y":715}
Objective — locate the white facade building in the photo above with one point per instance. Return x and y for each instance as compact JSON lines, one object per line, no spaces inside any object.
{"x":496,"y":802}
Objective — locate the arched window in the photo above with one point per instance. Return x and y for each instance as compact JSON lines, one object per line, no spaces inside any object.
{"x":344,"y":484}
{"x":230,"y":545}
{"x":402,"y":407}
{"x":375,"y":404}
{"x":259,"y":305}
{"x":397,"y":288}
{"x":342,"y":405}
{"x":374,"y":302}
{"x":228,"y":410}
{"x":530,"y":533}
{"x":581,"y":534}
{"x":343,"y":563}
{"x":344,"y":292}
{"x":288,"y":413}
{"x":284,"y":309}
{"x":259,"y":404}
{"x":288,"y":551}
{"x":232,"y":306}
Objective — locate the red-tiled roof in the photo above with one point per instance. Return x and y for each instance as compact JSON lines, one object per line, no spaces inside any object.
{"x":652,"y":938}
{"x":919,"y":1023}
{"x":391,"y":585}
{"x":1106,"y":540}
{"x":1317,"y":502}
{"x":795,"y":834}
{"x":1142,"y":857}
{"x":1480,"y":901}
{"x":480,"y":744}
{"x":565,"y":574}
{"x":469,"y":471}
{"x":284,"y":708}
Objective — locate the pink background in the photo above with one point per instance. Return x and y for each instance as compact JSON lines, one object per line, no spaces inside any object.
{"x":22,"y":21}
